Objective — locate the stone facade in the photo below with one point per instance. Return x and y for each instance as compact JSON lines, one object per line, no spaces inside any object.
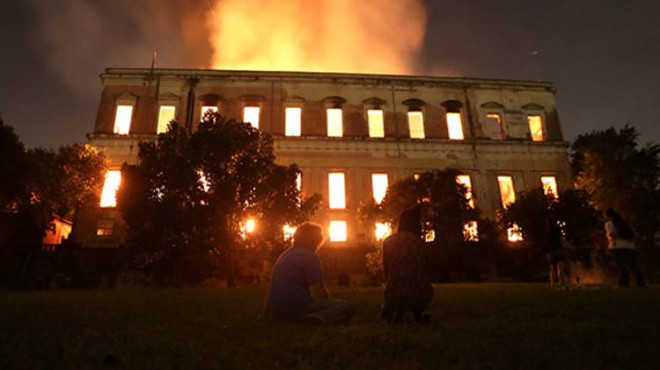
{"x":483,"y":152}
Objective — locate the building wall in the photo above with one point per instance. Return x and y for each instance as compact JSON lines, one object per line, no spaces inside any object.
{"x":355,"y":153}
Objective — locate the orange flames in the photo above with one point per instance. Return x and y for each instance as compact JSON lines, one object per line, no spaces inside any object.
{"x":383,"y":36}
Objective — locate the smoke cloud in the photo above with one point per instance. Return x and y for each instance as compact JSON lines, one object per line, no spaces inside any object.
{"x":367,"y":36}
{"x":77,"y":39}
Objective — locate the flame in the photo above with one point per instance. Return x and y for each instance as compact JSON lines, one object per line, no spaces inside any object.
{"x":333,"y":36}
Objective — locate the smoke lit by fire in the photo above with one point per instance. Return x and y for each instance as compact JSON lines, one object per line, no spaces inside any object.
{"x":383,"y":36}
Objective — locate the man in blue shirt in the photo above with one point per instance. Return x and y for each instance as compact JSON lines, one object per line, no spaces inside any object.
{"x":298,"y":272}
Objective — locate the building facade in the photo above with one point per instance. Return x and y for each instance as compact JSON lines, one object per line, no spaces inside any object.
{"x":351,"y":134}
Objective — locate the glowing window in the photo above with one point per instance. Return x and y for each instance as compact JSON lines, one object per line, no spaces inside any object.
{"x":465,"y":181}
{"x":109,"y":193}
{"x":514,"y":234}
{"x":251,"y":115}
{"x":455,"y":126}
{"x":471,"y":231}
{"x":338,"y":231}
{"x":165,"y":116}
{"x":123,"y":119}
{"x":550,"y":186}
{"x":293,"y":118}
{"x":507,"y":192}
{"x":494,"y":126}
{"x":337,"y":190}
{"x":335,"y":125}
{"x":288,"y":232}
{"x":376,"y":123}
{"x":379,"y":183}
{"x":416,"y":124}
{"x":383,"y":230}
{"x":206,"y":108}
{"x":536,"y":128}
{"x":104,"y":227}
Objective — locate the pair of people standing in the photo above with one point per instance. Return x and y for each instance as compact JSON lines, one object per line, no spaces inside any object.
{"x":298,"y":271}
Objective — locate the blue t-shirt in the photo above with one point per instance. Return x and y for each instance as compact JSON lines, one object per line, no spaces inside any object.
{"x":295,"y":270}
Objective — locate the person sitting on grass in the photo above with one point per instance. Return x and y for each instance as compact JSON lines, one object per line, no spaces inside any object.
{"x":406,"y":270}
{"x":297,"y":272}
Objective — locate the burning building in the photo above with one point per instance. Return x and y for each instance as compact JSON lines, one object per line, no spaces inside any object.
{"x":351,"y":134}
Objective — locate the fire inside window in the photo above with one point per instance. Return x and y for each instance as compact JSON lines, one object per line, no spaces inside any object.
{"x":465,"y":181}
{"x":206,"y":108}
{"x":104,"y":227}
{"x":376,"y":123}
{"x":494,"y":123}
{"x":165,"y":116}
{"x":383,"y":230}
{"x":550,"y":186}
{"x":109,"y":193}
{"x":416,"y":124}
{"x":251,"y":116}
{"x":507,"y":192}
{"x":336,"y":190}
{"x":123,"y":119}
{"x":536,"y":128}
{"x":338,"y":231}
{"x":335,"y":125}
{"x":293,"y":120}
{"x":514,"y":234}
{"x":471,"y":231}
{"x":455,"y":126}
{"x":379,"y":183}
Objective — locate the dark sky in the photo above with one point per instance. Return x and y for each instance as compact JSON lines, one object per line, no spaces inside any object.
{"x":603,"y":55}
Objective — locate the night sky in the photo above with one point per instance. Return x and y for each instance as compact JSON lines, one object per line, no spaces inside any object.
{"x":602,"y":55}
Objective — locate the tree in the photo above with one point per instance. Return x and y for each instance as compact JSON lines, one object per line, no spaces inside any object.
{"x":616,"y":172}
{"x":186,"y":203}
{"x":37,"y":186}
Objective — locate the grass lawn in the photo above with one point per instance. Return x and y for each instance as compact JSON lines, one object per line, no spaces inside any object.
{"x":492,"y":326}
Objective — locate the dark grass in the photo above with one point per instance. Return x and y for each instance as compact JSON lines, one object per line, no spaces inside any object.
{"x":474,"y":326}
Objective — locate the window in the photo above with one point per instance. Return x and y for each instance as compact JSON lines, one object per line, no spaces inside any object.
{"x":383,"y":230}
{"x":514,"y":234}
{"x":336,"y":190}
{"x":416,"y":124}
{"x":471,"y":231}
{"x":536,"y":128}
{"x":338,"y":231}
{"x":123,"y":119}
{"x":465,"y":181}
{"x":104,"y":227}
{"x":165,"y":116}
{"x":335,"y":125}
{"x":507,"y":193}
{"x":379,"y":183}
{"x":455,"y":126}
{"x":293,"y":119}
{"x":550,"y":186}
{"x":206,"y":108}
{"x":376,"y":123}
{"x":109,"y":193}
{"x":251,"y":116}
{"x":494,"y":126}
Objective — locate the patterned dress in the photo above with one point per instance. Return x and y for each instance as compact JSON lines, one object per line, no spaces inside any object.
{"x":406,"y":271}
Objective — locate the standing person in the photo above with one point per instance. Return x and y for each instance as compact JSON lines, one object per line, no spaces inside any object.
{"x":406,"y":271}
{"x":557,"y":254}
{"x":620,"y":242}
{"x":297,"y":272}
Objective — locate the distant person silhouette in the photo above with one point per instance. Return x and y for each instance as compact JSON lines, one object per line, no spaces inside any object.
{"x":620,"y":242}
{"x":557,"y":254}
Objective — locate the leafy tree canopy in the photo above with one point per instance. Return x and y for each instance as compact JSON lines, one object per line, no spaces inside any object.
{"x":616,"y":172}
{"x":190,"y":195}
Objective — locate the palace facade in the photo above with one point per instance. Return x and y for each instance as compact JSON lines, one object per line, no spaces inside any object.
{"x":351,"y":134}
